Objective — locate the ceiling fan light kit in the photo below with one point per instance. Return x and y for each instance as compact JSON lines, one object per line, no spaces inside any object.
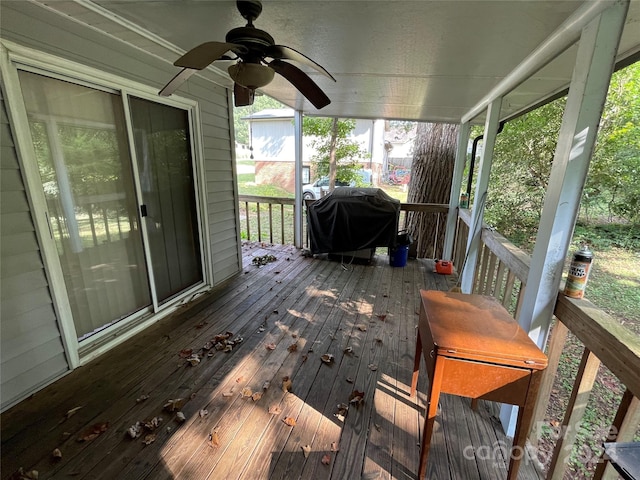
{"x":258,"y":60}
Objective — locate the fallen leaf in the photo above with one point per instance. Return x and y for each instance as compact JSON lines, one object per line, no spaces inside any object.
{"x":306,"y":449}
{"x":238,"y":340}
{"x":173,"y":405}
{"x":186,"y":353}
{"x":93,"y":432}
{"x":356,"y":397}
{"x":142,"y":398}
{"x":256,"y":396}
{"x":261,"y":329}
{"x":193,"y":395}
{"x":290,"y":421}
{"x":193,"y":360}
{"x":294,"y":335}
{"x":349,"y":380}
{"x":149,"y":439}
{"x":180,"y":417}
{"x":349,"y":349}
{"x":304,"y":358}
{"x":271,"y":346}
{"x":207,"y":346}
{"x":72,"y":412}
{"x":378,"y":340}
{"x":200,"y":325}
{"x":214,"y":438}
{"x":373,"y":367}
{"x":240,"y":379}
{"x":57,"y":454}
{"x":246,"y":392}
{"x":153,"y":423}
{"x":203,"y":413}
{"x":293,"y":347}
{"x":378,"y":427}
{"x":362,"y":328}
{"x":327,"y":358}
{"x":381,"y":317}
{"x":334,"y":447}
{"x":275,"y":410}
{"x":227,"y":394}
{"x":20,"y":474}
{"x":286,"y":384}
{"x":326,"y":459}
{"x":266,"y":385}
{"x":134,"y":431}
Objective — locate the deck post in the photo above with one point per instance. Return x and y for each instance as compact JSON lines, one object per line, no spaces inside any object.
{"x":587,"y":93}
{"x":454,"y":197}
{"x":479,"y":198}
{"x":297,"y":208}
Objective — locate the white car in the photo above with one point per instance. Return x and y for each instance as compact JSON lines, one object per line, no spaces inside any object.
{"x":319,"y":188}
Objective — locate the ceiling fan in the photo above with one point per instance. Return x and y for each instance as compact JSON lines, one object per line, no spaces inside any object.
{"x":258,"y":60}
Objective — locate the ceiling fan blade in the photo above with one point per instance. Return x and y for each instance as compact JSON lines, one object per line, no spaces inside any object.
{"x":242,"y":96}
{"x":176,"y":81}
{"x":205,"y":54}
{"x":302,"y":82}
{"x":279,"y":52}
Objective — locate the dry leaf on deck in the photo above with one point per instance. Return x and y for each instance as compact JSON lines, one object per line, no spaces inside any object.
{"x":349,"y":349}
{"x":214,"y":438}
{"x":72,"y":412}
{"x":180,"y":417}
{"x":153,"y":423}
{"x":193,"y":360}
{"x":271,"y":346}
{"x":149,"y":439}
{"x":378,"y":427}
{"x":203,"y":413}
{"x":207,"y":346}
{"x":227,"y":394}
{"x":186,"y":353}
{"x":304,"y":358}
{"x":256,"y":396}
{"x":266,"y":385}
{"x":134,"y":431}
{"x":373,"y":367}
{"x":327,"y":358}
{"x":349,"y":380}
{"x":173,"y":404}
{"x":362,"y":328}
{"x":56,"y":454}
{"x":246,"y":392}
{"x":286,"y":384}
{"x":227,"y":349}
{"x":306,"y":449}
{"x":293,"y":347}
{"x":200,"y":325}
{"x":378,"y":340}
{"x":334,"y":447}
{"x":275,"y":410}
{"x":290,"y":421}
{"x":93,"y":431}
{"x":343,"y":408}
{"x":326,"y":459}
{"x":381,"y":317}
{"x":356,"y":397}
{"x":142,"y":398}
{"x":240,"y":379}
{"x":20,"y":474}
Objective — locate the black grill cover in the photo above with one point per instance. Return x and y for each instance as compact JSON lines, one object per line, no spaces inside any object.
{"x":353,"y":219}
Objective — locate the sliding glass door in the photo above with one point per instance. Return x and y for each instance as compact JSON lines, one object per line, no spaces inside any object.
{"x":112,"y":266}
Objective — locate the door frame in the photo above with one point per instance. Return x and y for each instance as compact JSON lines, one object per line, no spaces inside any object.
{"x":14,"y":57}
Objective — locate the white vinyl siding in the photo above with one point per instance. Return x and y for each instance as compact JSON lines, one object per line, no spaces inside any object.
{"x":31,"y":348}
{"x":32,"y":351}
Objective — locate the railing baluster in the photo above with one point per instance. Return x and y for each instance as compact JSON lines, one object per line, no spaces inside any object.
{"x":489,"y":288}
{"x":282,"y":223}
{"x":259,"y":229}
{"x":499,"y":280}
{"x":270,"y":223}
{"x":583,"y":385}
{"x":508,"y":290}
{"x":246,"y":214}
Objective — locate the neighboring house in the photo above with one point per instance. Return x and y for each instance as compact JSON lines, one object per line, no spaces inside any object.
{"x":272,"y":139}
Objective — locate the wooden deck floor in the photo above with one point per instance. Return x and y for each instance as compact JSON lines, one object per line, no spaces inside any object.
{"x":320,"y":306}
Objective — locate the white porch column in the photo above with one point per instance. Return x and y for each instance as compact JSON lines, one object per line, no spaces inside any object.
{"x":297,"y":208}
{"x":477,"y":213}
{"x":454,"y":197}
{"x":587,"y":94}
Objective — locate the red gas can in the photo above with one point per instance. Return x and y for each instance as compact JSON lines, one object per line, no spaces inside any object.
{"x":444,"y":267}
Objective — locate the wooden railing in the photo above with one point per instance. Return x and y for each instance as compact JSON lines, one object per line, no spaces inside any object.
{"x":501,"y":271}
{"x":270,"y":219}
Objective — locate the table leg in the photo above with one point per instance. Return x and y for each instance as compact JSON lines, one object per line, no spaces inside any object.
{"x":416,"y":365}
{"x":523,"y":425}
{"x":431,"y":412}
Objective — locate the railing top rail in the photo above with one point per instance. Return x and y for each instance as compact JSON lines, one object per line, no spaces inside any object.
{"x":616,"y":346}
{"x":425,"y":207}
{"x":262,"y":199}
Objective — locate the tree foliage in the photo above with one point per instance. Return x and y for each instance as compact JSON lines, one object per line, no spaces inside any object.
{"x":348,"y":152}
{"x":524,"y":154}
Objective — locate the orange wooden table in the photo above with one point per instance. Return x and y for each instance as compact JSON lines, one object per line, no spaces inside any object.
{"x":474,"y":348}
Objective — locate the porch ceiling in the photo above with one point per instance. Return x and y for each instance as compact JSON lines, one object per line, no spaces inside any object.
{"x":414,"y":60}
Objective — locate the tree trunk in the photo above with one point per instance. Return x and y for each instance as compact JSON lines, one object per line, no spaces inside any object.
{"x":431,"y":173}
{"x":333,"y":167}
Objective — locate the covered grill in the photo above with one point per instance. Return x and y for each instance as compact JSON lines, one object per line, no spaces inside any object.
{"x":352,"y":219}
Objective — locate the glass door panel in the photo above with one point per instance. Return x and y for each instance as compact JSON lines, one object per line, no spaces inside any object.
{"x":163,"y":152}
{"x":82,"y":152}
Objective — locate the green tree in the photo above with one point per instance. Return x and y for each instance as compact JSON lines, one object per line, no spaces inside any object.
{"x":335,"y":147}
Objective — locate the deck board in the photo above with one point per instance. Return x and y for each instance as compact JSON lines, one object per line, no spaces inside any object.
{"x":317,"y":304}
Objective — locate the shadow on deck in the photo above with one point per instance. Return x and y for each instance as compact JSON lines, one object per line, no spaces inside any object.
{"x":289,"y":313}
